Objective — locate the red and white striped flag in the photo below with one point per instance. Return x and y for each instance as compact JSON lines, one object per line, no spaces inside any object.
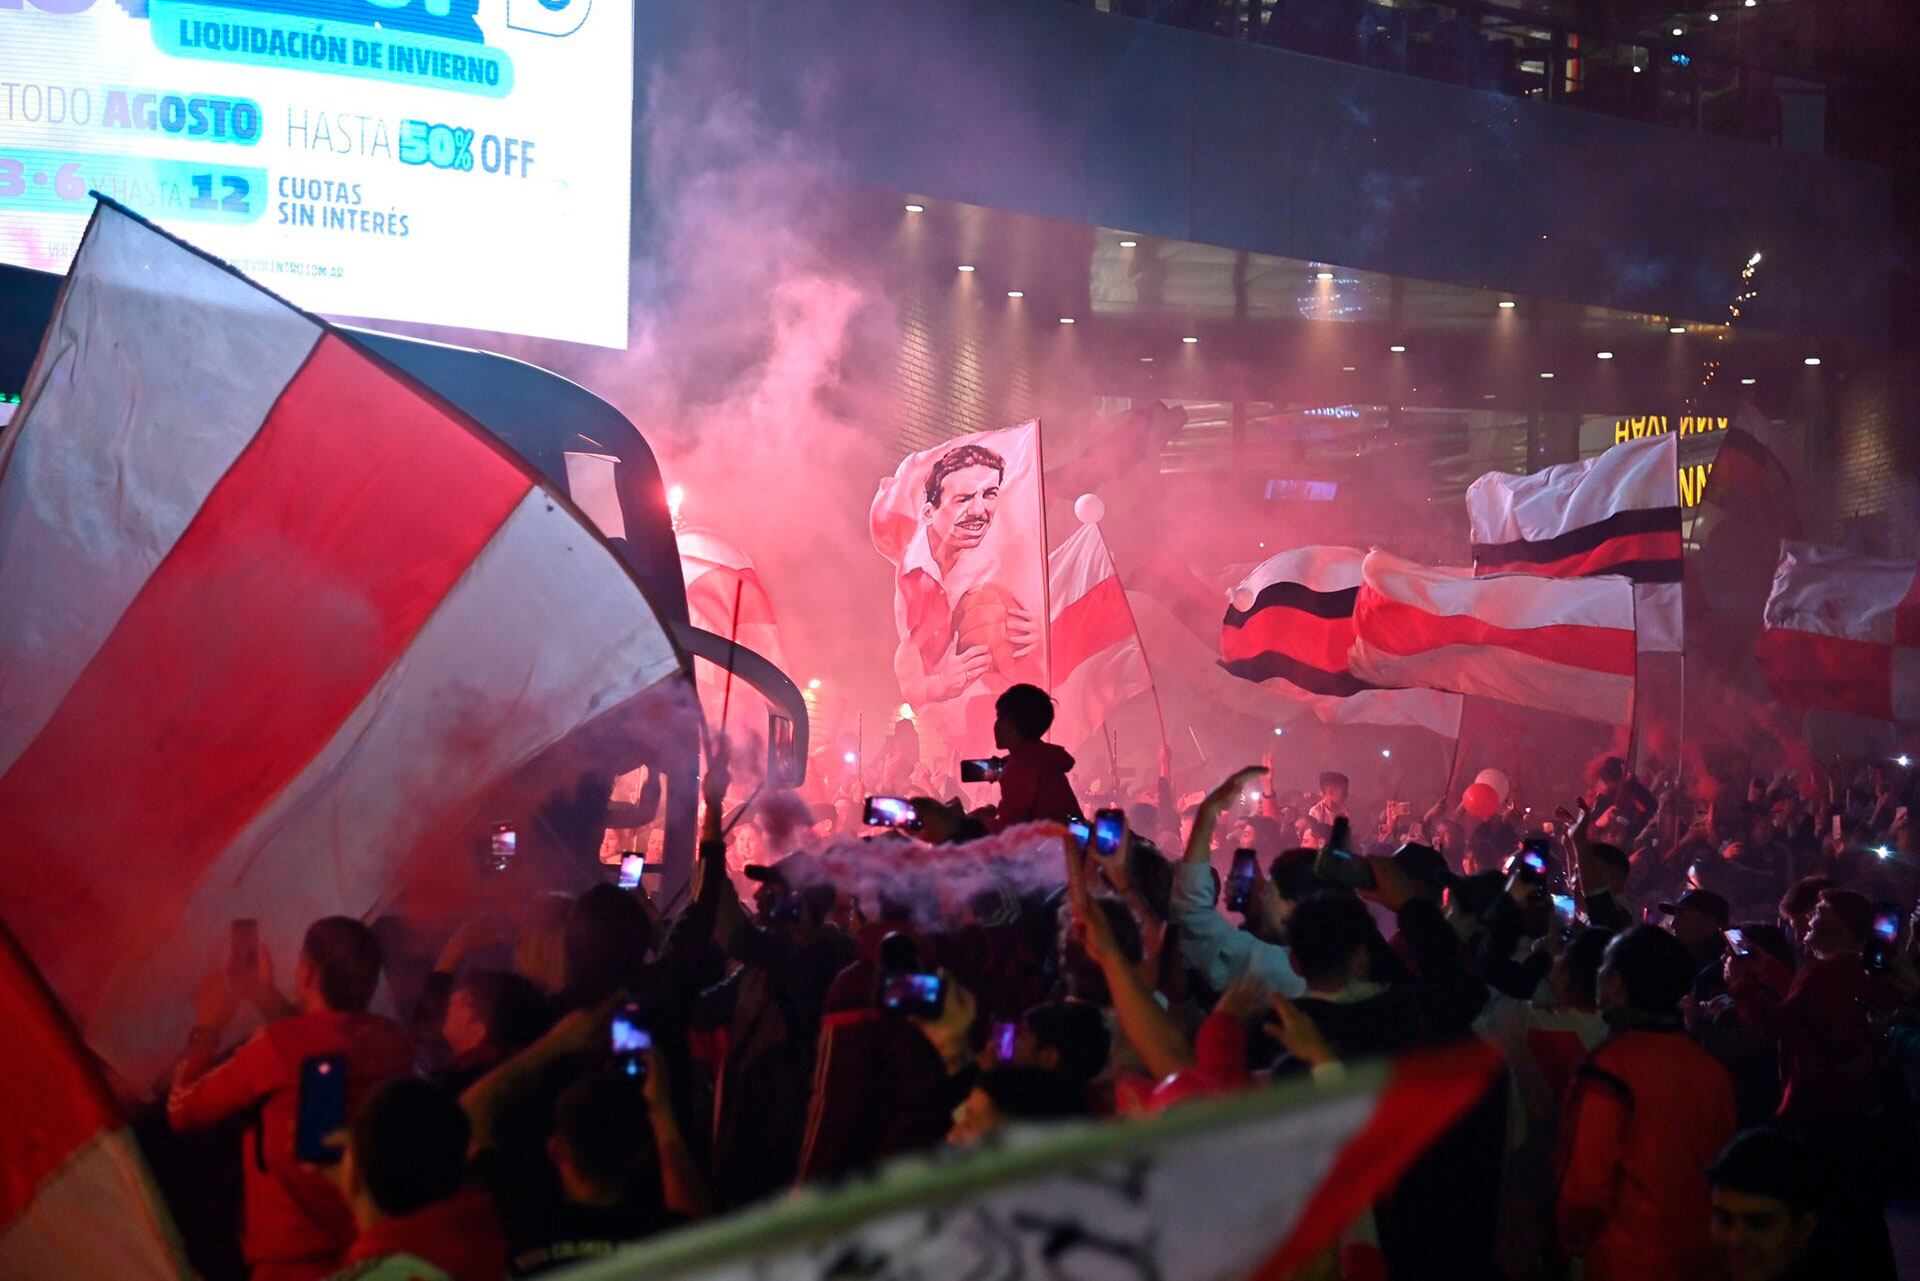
{"x":1617,"y":513}
{"x":1560,"y":645}
{"x":1253,"y":1187}
{"x":1290,"y":627}
{"x":275,"y":617}
{"x":1842,"y":633}
{"x":75,"y":1198}
{"x":1098,"y":661}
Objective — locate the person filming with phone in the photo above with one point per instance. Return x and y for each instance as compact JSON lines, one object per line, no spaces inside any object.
{"x":297,"y":1225}
{"x":1033,"y":773}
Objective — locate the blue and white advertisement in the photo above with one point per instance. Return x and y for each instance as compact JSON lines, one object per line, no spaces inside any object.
{"x":453,"y":162}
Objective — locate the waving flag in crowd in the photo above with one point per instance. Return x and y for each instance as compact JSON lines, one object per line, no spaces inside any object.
{"x":1842,"y":633}
{"x":1290,"y":626}
{"x":1098,"y":661}
{"x":964,"y":525}
{"x":726,"y":597}
{"x":75,"y":1197}
{"x":1561,"y":645}
{"x":1169,"y":1199}
{"x":275,"y":616}
{"x":1617,"y":513}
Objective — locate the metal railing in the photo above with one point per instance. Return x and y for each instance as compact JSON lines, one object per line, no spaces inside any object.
{"x":1663,"y":81}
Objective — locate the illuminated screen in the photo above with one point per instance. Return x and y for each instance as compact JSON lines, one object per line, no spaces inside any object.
{"x":459,"y":162}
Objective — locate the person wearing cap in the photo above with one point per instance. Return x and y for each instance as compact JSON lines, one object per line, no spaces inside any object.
{"x":1699,"y":919}
{"x":1647,"y":1112}
{"x":1766,"y":1223}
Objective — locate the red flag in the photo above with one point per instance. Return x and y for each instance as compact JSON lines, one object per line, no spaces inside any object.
{"x":75,"y":1198}
{"x":1098,"y":661}
{"x":1842,"y":633}
{"x":1291,"y":627}
{"x":1561,"y":645}
{"x":276,"y":617}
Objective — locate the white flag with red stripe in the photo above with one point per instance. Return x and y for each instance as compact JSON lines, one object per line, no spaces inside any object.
{"x":1842,"y":633}
{"x":726,"y":597}
{"x":75,"y":1198}
{"x":274,"y":617}
{"x":1098,"y":661}
{"x":1289,"y":626}
{"x":1248,"y":1188}
{"x":1617,"y":513}
{"x":1560,"y":645}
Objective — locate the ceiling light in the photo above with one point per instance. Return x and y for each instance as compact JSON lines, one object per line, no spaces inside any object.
{"x":1507,"y":304}
{"x":1676,"y":329}
{"x":1323,"y":275}
{"x":1488,"y":396}
{"x":916,"y":208}
{"x":1347,"y":369}
{"x":1066,"y":320}
{"x":1713,"y":17}
{"x":1812,"y":360}
{"x":1396,"y":349}
{"x":1279,"y":732}
{"x":1748,"y":382}
{"x":1189,"y":340}
{"x":966,"y":266}
{"x":1678,"y":32}
{"x":1016,"y":293}
{"x":1146,"y":360}
{"x":1546,"y":375}
{"x":814,"y":683}
{"x":1386,"y":753}
{"x":1751,"y":3}
{"x":1638,"y":69}
{"x":1603,"y":355}
{"x":1129,"y":244}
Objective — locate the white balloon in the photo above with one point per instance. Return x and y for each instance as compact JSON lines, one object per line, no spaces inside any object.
{"x":1497,"y":781}
{"x":1090,"y":509}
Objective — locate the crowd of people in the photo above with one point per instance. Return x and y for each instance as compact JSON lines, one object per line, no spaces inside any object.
{"x":1708,"y":1013}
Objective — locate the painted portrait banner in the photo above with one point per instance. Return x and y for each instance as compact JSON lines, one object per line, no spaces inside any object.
{"x":964,"y":527}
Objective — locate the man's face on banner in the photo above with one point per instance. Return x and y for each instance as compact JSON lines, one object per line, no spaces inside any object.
{"x":967,"y":501}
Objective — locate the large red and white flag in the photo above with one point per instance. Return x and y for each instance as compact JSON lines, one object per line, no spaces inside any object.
{"x":1098,"y":661}
{"x":275,"y":616}
{"x":75,"y":1198}
{"x":1560,"y":645}
{"x":964,"y":524}
{"x":1290,"y":627}
{"x":1617,"y":513}
{"x":1842,"y":633}
{"x":1253,"y":1187}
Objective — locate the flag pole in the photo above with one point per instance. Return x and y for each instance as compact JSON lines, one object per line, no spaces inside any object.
{"x":1046,"y":559}
{"x":733,"y":653}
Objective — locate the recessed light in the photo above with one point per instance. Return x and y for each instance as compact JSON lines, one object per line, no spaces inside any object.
{"x":1713,"y":17}
{"x":966,"y":266}
{"x":1678,"y":32}
{"x":1812,"y":360}
{"x":1676,"y":329}
{"x":1751,"y":3}
{"x":1603,"y":355}
{"x":1396,"y":349}
{"x":1129,"y":244}
{"x":1146,"y":360}
{"x":1748,"y":382}
{"x":1323,"y":275}
{"x":1016,"y":293}
{"x":1507,"y":304}
{"x":1347,"y":369}
{"x":1279,"y":732}
{"x":1189,"y":340}
{"x":1638,"y":69}
{"x":1066,"y":320}
{"x":1546,"y":375}
{"x":1488,"y":396}
{"x":916,"y":208}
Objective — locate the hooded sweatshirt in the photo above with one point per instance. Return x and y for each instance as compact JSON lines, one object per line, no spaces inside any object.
{"x":460,"y":1236}
{"x":1034,"y":787}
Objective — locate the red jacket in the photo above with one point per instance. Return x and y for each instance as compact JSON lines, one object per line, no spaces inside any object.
{"x":1034,"y":786}
{"x":461,"y":1236}
{"x":294,"y":1216}
{"x":1648,"y":1112}
{"x":1827,"y":1063}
